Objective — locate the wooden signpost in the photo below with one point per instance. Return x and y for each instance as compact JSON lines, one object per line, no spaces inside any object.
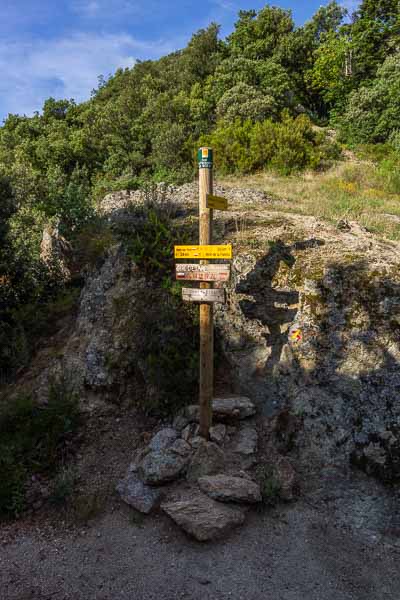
{"x":206,"y":273}
{"x":193,"y":272}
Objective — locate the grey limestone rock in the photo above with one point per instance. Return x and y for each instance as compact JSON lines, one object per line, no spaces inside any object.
{"x":218,"y":433}
{"x":163,"y":439}
{"x":207,"y":460}
{"x":227,"y":488}
{"x":203,"y":518}
{"x":246,"y":440}
{"x":161,"y":467}
{"x":225,"y":409}
{"x":138,"y":495}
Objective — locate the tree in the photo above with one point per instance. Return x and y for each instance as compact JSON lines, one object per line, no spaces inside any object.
{"x":373,"y":113}
{"x":247,"y":103}
{"x":7,"y":207}
{"x":375,"y":35}
{"x":331,"y":74}
{"x":257,"y":36}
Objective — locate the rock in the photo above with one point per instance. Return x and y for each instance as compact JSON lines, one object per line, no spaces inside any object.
{"x":135,"y":493}
{"x":217,"y":433}
{"x":246,"y":441}
{"x":379,"y":455}
{"x":192,"y":413}
{"x":207,"y":460}
{"x":234,"y":407}
{"x":163,"y":439}
{"x":204,"y":518}
{"x":186,"y":433}
{"x":189,"y":432}
{"x":196,"y":442}
{"x":161,"y":467}
{"x":181,"y":447}
{"x":227,"y":488}
{"x":137,"y":458}
{"x":225,"y":409}
{"x":180,"y":422}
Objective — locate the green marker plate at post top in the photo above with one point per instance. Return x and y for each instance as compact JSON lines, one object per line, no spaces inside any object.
{"x":205,"y":158}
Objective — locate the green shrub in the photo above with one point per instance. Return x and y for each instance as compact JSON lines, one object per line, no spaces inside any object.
{"x":288,"y":146}
{"x":168,"y":340}
{"x":389,"y":171}
{"x":170,"y":351}
{"x":32,"y":439}
{"x":373,"y":111}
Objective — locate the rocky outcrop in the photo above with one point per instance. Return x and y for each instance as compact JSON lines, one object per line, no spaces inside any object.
{"x":310,"y":332}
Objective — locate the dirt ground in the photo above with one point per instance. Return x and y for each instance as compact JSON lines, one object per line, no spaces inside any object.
{"x":286,"y":553}
{"x":340,"y":541}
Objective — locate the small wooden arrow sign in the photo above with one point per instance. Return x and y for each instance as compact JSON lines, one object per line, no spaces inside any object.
{"x":192,"y":272}
{"x":216,"y":202}
{"x":197,"y":295}
{"x":203,"y":252}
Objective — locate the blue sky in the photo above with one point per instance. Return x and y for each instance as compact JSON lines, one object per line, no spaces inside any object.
{"x":59,"y":47}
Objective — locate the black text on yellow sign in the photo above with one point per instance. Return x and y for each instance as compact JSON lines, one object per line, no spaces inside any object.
{"x":203,"y":252}
{"x":216,"y":202}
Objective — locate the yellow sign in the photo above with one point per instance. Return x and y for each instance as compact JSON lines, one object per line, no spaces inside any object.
{"x":216,"y":202}
{"x":203,"y":252}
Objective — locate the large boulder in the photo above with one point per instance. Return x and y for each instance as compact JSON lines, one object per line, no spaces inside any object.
{"x":162,"y":467}
{"x":227,"y":488}
{"x":202,"y":517}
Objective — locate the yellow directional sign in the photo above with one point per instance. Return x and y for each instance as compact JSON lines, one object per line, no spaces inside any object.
{"x":203,"y":252}
{"x":216,"y":202}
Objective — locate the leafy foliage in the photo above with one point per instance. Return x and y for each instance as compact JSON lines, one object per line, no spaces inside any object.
{"x":253,"y":96}
{"x":373,"y":113}
{"x":32,"y":441}
{"x":286,"y":146}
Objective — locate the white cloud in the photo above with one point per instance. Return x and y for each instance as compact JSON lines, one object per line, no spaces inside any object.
{"x":64,"y":68}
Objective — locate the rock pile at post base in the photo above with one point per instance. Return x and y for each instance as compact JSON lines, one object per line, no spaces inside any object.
{"x":215,"y":483}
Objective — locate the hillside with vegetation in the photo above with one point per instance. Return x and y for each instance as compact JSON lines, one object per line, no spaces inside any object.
{"x":99,"y":355}
{"x":305,"y":126}
{"x":256,"y":97}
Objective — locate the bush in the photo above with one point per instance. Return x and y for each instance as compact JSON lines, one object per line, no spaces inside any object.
{"x":32,"y":440}
{"x":373,"y":112}
{"x":289,"y":146}
{"x":165,"y":329}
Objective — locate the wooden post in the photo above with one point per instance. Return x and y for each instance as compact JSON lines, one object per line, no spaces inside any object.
{"x":205,"y":158}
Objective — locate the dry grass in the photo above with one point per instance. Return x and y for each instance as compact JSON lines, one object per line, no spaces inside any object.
{"x":353,"y":190}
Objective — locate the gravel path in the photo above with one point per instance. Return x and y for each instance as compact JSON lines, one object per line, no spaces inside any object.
{"x":286,"y":553}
